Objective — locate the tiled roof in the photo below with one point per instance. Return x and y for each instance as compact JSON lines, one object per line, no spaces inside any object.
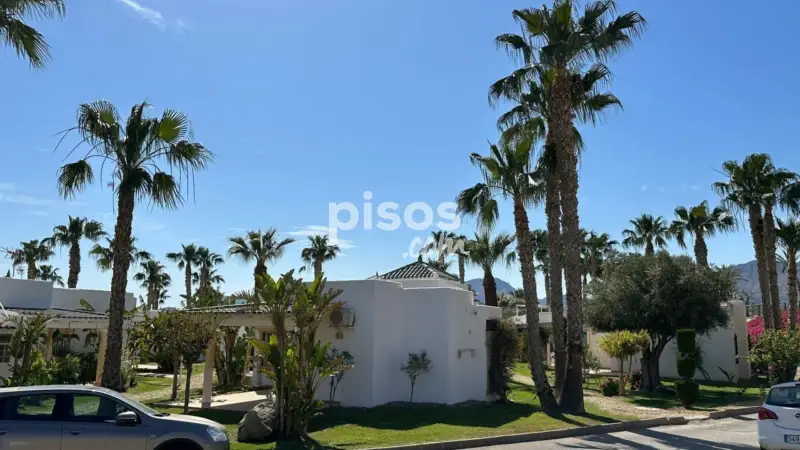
{"x":231,"y":309}
{"x":417,"y":270}
{"x":61,"y":313}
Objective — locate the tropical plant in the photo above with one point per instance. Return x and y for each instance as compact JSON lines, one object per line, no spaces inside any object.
{"x":648,"y":232}
{"x":435,"y":263}
{"x":261,"y":247}
{"x":186,"y":259}
{"x":700,"y":223}
{"x":348,"y":362}
{"x":788,"y":236}
{"x":598,"y":248}
{"x":26,"y":348}
{"x":506,"y":173}
{"x":206,"y":261}
{"x":104,"y":256}
{"x":319,"y":250}
{"x":49,"y":273}
{"x":505,"y":351}
{"x":486,"y":252}
{"x":30,"y":253}
{"x":154,"y":280}
{"x":623,"y":345}
{"x":148,"y":158}
{"x":756,"y":186}
{"x":70,"y":235}
{"x":24,"y":39}
{"x":417,"y":364}
{"x":443,"y":243}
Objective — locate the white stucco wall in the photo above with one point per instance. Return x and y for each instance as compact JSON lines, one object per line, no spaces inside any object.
{"x":18,"y":293}
{"x":71,"y":299}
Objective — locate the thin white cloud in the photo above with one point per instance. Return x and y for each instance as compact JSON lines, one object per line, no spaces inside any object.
{"x":321,"y":230}
{"x":22,"y":199}
{"x":148,"y":14}
{"x":643,"y":188}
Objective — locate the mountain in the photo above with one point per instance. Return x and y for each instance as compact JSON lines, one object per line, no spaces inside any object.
{"x":748,"y":283}
{"x":502,"y":287}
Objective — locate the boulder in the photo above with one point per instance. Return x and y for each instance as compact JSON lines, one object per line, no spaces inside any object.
{"x":258,"y":423}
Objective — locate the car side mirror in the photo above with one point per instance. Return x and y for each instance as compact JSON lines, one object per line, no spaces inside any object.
{"x":127,"y":419}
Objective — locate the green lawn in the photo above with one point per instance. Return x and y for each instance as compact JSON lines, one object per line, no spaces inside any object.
{"x":150,"y":383}
{"x":712,"y":396}
{"x":352,"y":428}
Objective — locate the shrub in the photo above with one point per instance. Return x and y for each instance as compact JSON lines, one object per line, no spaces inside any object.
{"x":635,"y":380}
{"x":506,"y":347}
{"x":610,"y":387}
{"x":88,"y":364}
{"x":624,"y":345}
{"x":65,"y":370}
{"x":779,"y":352}
{"x":416,"y":365}
{"x":687,"y":391}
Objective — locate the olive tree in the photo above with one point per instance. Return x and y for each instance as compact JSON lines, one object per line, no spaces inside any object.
{"x":658,"y":294}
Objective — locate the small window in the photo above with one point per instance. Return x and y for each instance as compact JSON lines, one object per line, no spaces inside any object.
{"x":5,"y":348}
{"x":93,"y":408}
{"x":37,"y":406}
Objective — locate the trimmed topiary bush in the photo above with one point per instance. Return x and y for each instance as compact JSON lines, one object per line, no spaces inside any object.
{"x":610,"y":387}
{"x":687,"y":389}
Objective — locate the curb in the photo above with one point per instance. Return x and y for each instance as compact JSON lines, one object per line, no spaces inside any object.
{"x":733,"y":412}
{"x":542,"y":435}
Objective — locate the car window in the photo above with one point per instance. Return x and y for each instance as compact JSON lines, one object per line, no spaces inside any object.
{"x":30,"y":407}
{"x":784,"y":396}
{"x":94,"y":408}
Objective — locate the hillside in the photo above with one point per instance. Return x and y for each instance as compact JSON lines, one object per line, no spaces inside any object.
{"x":748,"y":283}
{"x":502,"y":287}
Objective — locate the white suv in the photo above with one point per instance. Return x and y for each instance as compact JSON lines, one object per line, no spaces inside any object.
{"x":779,"y":418}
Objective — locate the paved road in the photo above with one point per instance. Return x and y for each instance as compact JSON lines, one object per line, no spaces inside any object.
{"x":725,"y":434}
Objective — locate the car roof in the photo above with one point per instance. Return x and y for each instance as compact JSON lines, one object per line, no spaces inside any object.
{"x":53,"y":388}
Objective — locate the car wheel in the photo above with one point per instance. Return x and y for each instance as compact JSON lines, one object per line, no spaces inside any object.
{"x":180,"y":444}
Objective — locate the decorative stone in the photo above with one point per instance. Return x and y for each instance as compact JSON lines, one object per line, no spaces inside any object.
{"x":258,"y":423}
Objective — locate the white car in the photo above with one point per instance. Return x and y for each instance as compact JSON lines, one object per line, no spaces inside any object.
{"x":779,"y":418}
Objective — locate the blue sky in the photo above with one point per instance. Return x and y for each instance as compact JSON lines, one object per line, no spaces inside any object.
{"x":310,"y":102}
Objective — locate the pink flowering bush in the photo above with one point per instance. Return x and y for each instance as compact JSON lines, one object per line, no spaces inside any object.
{"x":755,"y":327}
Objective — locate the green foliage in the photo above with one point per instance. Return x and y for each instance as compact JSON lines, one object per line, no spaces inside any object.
{"x":635,"y":380}
{"x":687,"y":391}
{"x":686,"y":365}
{"x":26,"y":347}
{"x":229,"y":363}
{"x":416,"y":365}
{"x":685,"y":339}
{"x":65,"y":370}
{"x":610,"y":387}
{"x":506,"y":348}
{"x":88,"y":367}
{"x":347,"y":362}
{"x":779,"y":351}
{"x":623,"y":345}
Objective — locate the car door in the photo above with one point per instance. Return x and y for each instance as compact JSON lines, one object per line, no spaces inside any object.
{"x":90,"y":425}
{"x":28,"y":422}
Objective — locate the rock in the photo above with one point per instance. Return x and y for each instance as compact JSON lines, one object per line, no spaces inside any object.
{"x":258,"y":423}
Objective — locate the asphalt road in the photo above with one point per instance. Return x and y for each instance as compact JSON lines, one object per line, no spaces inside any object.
{"x":726,"y":434}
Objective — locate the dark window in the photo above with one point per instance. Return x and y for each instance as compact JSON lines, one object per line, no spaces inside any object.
{"x":29,"y":407}
{"x":93,"y":408}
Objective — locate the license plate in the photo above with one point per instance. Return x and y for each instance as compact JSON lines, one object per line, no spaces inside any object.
{"x":791,"y":438}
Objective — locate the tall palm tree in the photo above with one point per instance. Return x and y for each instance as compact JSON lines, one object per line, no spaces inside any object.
{"x":506,"y":173}
{"x":788,"y":236}
{"x":211,"y":278}
{"x":756,"y":186}
{"x":186,"y":259}
{"x":24,"y":39}
{"x":648,"y":232}
{"x":258,"y":246}
{"x":486,"y":252}
{"x":444,"y":267}
{"x":104,"y":256}
{"x":148,"y":158}
{"x":49,"y":273}
{"x":30,"y":253}
{"x":206,"y":261}
{"x":700,"y":223}
{"x":441,"y":241}
{"x":154,"y":278}
{"x":319,"y":251}
{"x":70,"y":235}
{"x":598,"y":248}
{"x":459,"y":250}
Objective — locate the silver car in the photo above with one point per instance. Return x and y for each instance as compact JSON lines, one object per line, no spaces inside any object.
{"x":93,"y":418}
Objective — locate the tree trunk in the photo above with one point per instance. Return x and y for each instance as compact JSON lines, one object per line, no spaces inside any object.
{"x":651,"y":375}
{"x":119,"y":283}
{"x":772,"y":266}
{"x":186,"y":394}
{"x":543,"y":390}
{"x":31,"y":269}
{"x":152,"y":299}
{"x":202,"y":289}
{"x":461,"y":267}
{"x":571,"y":397}
{"x":188,"y":282}
{"x":74,"y":264}
{"x":317,"y":269}
{"x":593,"y":267}
{"x":259,"y":270}
{"x":792,"y":282}
{"x":649,"y":250}
{"x":552,"y":279}
{"x":756,"y":230}
{"x":700,"y":250}
{"x":489,"y":289}
{"x":176,"y":376}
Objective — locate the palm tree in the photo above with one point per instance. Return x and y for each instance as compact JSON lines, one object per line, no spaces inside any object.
{"x":444,"y":267}
{"x":260,"y":247}
{"x":148,"y":158}
{"x":29,"y":253}
{"x":154,"y":278}
{"x":104,"y":256}
{"x":486,"y":252}
{"x":49,"y":273}
{"x":319,"y":251}
{"x":788,"y":236}
{"x":441,"y":241}
{"x":460,"y":243}
{"x":598,"y":248}
{"x":506,"y":173}
{"x":70,"y":235}
{"x":212,"y":277}
{"x":186,"y":259}
{"x":700,"y":223}
{"x":648,"y":232}
{"x":24,"y":39}
{"x":206,"y":261}
{"x":757,"y":186}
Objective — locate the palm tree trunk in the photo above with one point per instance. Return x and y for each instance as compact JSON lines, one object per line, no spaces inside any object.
{"x":119,"y":283}
{"x":649,"y":250}
{"x":552,"y":280}
{"x":543,"y":390}
{"x":152,"y":300}
{"x":593,"y":267}
{"x":74,"y":264}
{"x":567,"y":164}
{"x":792,"y":282}
{"x":489,"y":288}
{"x":772,"y":266}
{"x":757,"y":232}
{"x":440,"y":257}
{"x":31,"y":269}
{"x":202,"y":289}
{"x":461,"y":267}
{"x":188,"y":283}
{"x":700,"y":250}
{"x":258,"y":271}
{"x":317,"y":269}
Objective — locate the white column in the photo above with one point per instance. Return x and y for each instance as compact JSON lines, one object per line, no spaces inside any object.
{"x":48,"y":345}
{"x":101,"y":357}
{"x":208,"y":375}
